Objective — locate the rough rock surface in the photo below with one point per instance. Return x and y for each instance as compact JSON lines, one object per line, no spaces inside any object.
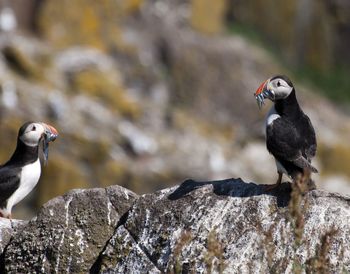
{"x":8,"y":228}
{"x":131,"y":112}
{"x":226,"y":226}
{"x":69,"y":232}
{"x":231,"y":226}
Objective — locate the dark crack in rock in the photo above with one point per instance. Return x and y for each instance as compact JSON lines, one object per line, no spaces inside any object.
{"x":226,"y":226}
{"x":229,"y":226}
{"x":124,"y":255}
{"x":8,"y":228}
{"x":69,"y":232}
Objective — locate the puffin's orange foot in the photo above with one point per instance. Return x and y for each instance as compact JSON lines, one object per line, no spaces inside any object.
{"x":276,"y":185}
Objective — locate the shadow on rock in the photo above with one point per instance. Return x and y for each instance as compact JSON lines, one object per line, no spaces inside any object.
{"x":235,"y":188}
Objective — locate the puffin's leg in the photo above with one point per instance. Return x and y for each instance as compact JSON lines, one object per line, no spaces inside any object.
{"x":279,"y":180}
{"x":277,"y":184}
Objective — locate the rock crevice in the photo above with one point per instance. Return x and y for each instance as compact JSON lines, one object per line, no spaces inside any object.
{"x":224,"y":226}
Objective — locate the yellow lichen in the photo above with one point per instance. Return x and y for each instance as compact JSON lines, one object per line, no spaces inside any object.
{"x":184,"y":119}
{"x":107,"y":89}
{"x":94,"y":23}
{"x":208,"y":16}
{"x":334,"y":159}
{"x":59,"y":176}
{"x":88,"y":151}
{"x":112,"y":173}
{"x":131,"y":6}
{"x":21,"y":64}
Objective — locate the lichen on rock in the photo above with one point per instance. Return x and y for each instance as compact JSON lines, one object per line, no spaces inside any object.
{"x":69,"y":232}
{"x":226,"y":226}
{"x":229,"y":226}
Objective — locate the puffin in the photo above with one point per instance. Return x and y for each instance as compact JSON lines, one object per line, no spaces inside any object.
{"x":290,"y":136}
{"x":20,"y":174}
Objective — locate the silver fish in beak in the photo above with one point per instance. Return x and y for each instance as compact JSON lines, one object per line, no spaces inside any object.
{"x":50,"y":135}
{"x":262,"y":93}
{"x":260,"y":100}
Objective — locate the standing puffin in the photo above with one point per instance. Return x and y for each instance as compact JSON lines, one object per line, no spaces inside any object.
{"x":290,"y":136}
{"x":20,"y":174}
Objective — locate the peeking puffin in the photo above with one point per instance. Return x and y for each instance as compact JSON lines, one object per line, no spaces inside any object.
{"x":290,"y":136}
{"x":20,"y":174}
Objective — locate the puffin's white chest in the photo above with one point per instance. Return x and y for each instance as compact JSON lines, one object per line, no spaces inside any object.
{"x":29,"y":178}
{"x":271,"y":116}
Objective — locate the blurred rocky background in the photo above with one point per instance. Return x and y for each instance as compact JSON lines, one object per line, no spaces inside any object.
{"x":145,"y":92}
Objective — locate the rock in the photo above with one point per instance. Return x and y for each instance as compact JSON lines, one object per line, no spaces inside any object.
{"x":124,"y":255}
{"x":69,"y":232}
{"x":85,"y":23}
{"x":226,"y":226}
{"x":132,"y":111}
{"x":80,"y":58}
{"x":8,"y":228}
{"x":231,"y":226}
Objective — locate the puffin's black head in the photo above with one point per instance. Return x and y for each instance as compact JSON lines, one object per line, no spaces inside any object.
{"x":32,"y":133}
{"x":275,"y":88}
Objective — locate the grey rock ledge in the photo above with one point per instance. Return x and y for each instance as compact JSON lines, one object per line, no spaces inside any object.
{"x":224,"y":226}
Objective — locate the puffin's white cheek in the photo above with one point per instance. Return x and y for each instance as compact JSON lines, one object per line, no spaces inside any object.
{"x":31,"y":138}
{"x":282,"y":92}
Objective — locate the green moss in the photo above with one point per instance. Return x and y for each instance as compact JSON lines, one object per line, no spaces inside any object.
{"x":333,"y":82}
{"x":122,"y":249}
{"x":248,"y":32}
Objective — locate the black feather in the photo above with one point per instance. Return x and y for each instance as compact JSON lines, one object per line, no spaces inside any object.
{"x":9,"y":182}
{"x":10,"y":172}
{"x":291,"y":138}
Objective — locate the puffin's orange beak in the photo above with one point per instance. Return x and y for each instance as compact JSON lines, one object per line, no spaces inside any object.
{"x":261,"y":88}
{"x":262,"y":93}
{"x":51,"y":132}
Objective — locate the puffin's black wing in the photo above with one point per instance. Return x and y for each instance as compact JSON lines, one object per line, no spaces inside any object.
{"x":310,"y":139}
{"x":9,"y":182}
{"x":285,"y":143}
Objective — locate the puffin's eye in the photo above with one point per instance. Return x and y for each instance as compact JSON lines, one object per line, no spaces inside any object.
{"x":278,"y":84}
{"x":33,"y":128}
